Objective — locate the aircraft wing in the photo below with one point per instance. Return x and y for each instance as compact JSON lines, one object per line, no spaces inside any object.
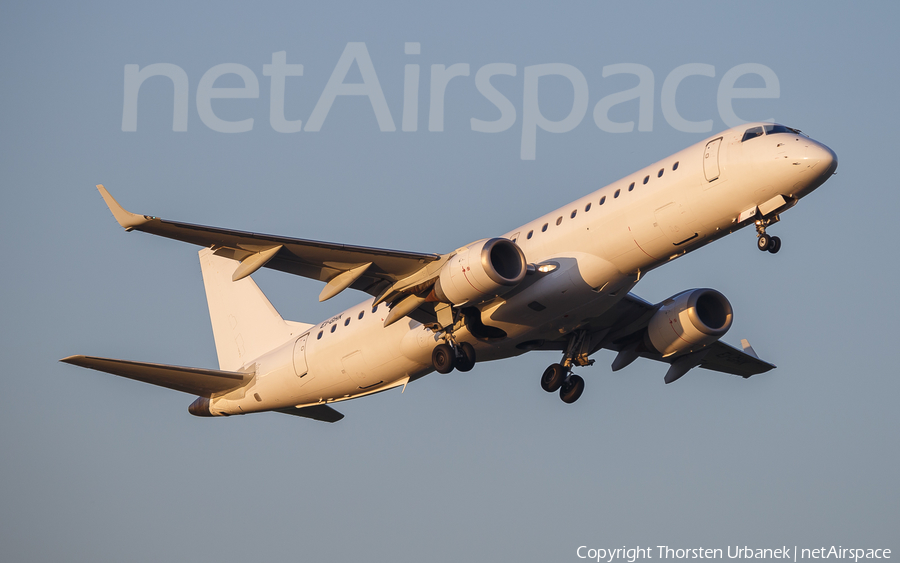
{"x":341,"y":265}
{"x":196,"y":381}
{"x":623,"y":326}
{"x":728,"y":359}
{"x":630,"y":317}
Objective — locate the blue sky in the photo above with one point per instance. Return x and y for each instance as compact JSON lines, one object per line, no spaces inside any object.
{"x":482,"y":466}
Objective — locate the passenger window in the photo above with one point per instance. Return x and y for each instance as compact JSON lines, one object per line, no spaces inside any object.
{"x":646,"y":179}
{"x":375,"y":308}
{"x":347,"y":321}
{"x":559,"y":220}
{"x":574,"y":211}
{"x":631,"y":187}
{"x":752,"y":133}
{"x":333,"y":327}
{"x":529,"y":234}
{"x":660,"y":173}
{"x":602,"y":200}
{"x":361,"y":313}
{"x":615,"y":195}
{"x":319,"y":337}
{"x":675,"y":167}
{"x":544,"y":228}
{"x":587,"y":207}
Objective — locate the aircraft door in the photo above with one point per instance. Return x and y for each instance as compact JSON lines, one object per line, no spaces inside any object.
{"x":711,"y":159}
{"x":300,"y":366}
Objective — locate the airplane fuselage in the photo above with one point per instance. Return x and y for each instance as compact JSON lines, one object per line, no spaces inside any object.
{"x":594,"y":250}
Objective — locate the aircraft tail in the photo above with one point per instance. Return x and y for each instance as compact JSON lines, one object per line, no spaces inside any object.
{"x":245,"y":324}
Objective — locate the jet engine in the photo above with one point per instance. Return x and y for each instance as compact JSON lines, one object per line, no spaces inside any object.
{"x":689,"y":321}
{"x":480,"y":271}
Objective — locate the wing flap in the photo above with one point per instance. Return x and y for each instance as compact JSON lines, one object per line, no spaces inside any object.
{"x":196,"y":381}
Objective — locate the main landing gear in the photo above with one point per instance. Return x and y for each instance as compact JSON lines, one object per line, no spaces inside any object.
{"x":447,"y":357}
{"x":559,"y":377}
{"x":451,"y":354}
{"x":766,"y":242}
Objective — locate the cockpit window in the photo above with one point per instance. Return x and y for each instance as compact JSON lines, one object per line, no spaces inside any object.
{"x":752,"y":133}
{"x":774,"y":128}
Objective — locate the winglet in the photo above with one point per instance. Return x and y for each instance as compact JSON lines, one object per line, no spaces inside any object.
{"x":127,"y":219}
{"x":745,"y":344}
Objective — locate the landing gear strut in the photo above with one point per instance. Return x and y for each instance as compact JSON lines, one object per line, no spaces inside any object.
{"x":766,"y":242}
{"x":451,"y":354}
{"x":559,"y":377}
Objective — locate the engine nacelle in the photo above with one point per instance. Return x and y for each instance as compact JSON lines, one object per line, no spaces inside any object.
{"x":689,"y":321}
{"x":480,"y":271}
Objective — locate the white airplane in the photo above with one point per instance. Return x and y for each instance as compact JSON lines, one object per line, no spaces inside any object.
{"x":560,"y":282}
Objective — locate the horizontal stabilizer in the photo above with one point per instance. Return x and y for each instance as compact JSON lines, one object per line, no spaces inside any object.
{"x":315,"y":412}
{"x":196,"y":381}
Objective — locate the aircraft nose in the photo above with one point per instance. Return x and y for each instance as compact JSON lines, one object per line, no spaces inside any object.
{"x":825,"y":159}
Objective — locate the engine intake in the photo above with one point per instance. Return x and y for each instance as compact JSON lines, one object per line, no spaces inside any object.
{"x":690,"y":321}
{"x":481,"y":271}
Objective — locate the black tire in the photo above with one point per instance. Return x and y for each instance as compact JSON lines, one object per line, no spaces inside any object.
{"x":443,"y":358}
{"x":466,"y":359}
{"x":571,"y":389}
{"x":553,"y":378}
{"x":763,"y":242}
{"x":774,"y":245}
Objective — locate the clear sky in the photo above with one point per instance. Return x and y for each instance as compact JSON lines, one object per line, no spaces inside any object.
{"x":482,"y":466}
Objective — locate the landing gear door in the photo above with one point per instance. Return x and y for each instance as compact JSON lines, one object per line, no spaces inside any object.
{"x":300,"y":367}
{"x":711,"y":159}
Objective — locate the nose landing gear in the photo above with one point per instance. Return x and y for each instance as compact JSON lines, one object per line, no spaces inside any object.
{"x":770,"y":243}
{"x":766,"y":242}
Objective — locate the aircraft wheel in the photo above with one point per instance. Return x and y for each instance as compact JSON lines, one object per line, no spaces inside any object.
{"x":774,"y":245}
{"x":466,"y":359}
{"x":443,"y":358}
{"x":571,"y":389}
{"x":553,"y":378}
{"x":763,"y":242}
